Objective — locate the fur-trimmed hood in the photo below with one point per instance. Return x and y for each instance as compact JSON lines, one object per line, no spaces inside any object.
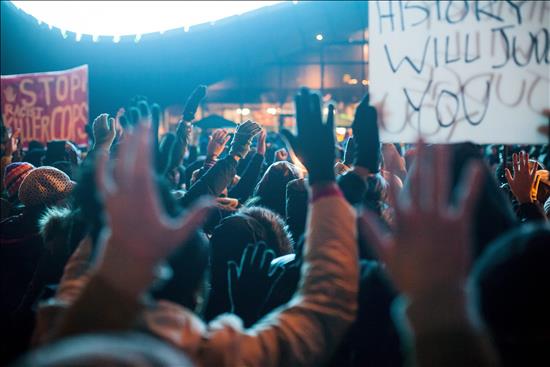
{"x":55,"y":222}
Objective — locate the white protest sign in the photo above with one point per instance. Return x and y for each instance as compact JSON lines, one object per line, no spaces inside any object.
{"x":457,"y":71}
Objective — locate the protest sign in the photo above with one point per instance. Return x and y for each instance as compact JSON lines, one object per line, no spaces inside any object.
{"x":456,"y":71}
{"x":47,"y":106}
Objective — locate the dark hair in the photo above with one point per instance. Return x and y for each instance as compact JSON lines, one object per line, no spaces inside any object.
{"x":35,"y":144}
{"x":228,"y":241}
{"x":296,"y":207}
{"x":511,"y":280}
{"x":35,"y":157}
{"x":270,"y":192}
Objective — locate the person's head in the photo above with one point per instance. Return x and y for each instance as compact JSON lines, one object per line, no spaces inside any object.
{"x":45,"y":186}
{"x":270,"y":192}
{"x":35,"y":157}
{"x":13,"y":177}
{"x":374,"y":337}
{"x":229,"y":239}
{"x":296,"y":207}
{"x":61,"y":150}
{"x":35,"y":144}
{"x":493,"y":214}
{"x":121,"y":350}
{"x":188,"y":264}
{"x":64,"y":166}
{"x":511,"y":282}
{"x":353,"y":187}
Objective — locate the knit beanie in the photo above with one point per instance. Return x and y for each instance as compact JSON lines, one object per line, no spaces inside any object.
{"x":45,"y":185}
{"x":14,"y":175}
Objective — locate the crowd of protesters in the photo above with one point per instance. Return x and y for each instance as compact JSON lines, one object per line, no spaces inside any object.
{"x":271,"y":249}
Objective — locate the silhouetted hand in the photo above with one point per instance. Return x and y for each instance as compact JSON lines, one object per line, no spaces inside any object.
{"x":261,"y":148}
{"x":216,"y":143}
{"x":104,"y":129}
{"x":366,"y":138}
{"x":429,"y":249}
{"x":140,"y":233}
{"x":240,"y":146}
{"x":193,"y":102}
{"x":250,"y":282}
{"x":522,"y":181}
{"x":315,"y":138}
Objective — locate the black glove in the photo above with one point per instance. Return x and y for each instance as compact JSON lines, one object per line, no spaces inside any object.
{"x":316,"y":139}
{"x":366,"y":138}
{"x":240,"y":145}
{"x":193,"y":103}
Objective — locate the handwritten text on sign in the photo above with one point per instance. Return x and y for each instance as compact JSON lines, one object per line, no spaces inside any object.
{"x":460,"y":70}
{"x":47,"y":106}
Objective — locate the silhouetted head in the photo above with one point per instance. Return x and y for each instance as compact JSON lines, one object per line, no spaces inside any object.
{"x":270,"y":192}
{"x":511,"y":280}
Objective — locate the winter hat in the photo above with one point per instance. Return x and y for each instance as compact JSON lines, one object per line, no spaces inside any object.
{"x":45,"y":185}
{"x":14,"y":175}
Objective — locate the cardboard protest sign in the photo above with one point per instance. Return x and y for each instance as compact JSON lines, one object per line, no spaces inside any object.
{"x":47,"y":106}
{"x":457,"y":71}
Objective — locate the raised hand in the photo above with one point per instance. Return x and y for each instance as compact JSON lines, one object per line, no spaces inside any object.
{"x":251,"y":281}
{"x":430,"y":246}
{"x":281,"y":155}
{"x":261,"y":147}
{"x":104,"y":129}
{"x":522,"y":181}
{"x":366,"y":139}
{"x":193,"y":102}
{"x":240,"y":146}
{"x":316,"y":139}
{"x":141,"y":233}
{"x":216,"y":143}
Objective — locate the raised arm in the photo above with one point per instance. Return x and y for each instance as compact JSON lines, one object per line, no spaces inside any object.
{"x":217,"y":178}
{"x":244,"y":188}
{"x":311,"y":325}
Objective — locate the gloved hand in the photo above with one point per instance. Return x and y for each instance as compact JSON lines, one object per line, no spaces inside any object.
{"x":366,"y":138}
{"x":240,"y":145}
{"x":316,"y":139}
{"x":192,"y":103}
